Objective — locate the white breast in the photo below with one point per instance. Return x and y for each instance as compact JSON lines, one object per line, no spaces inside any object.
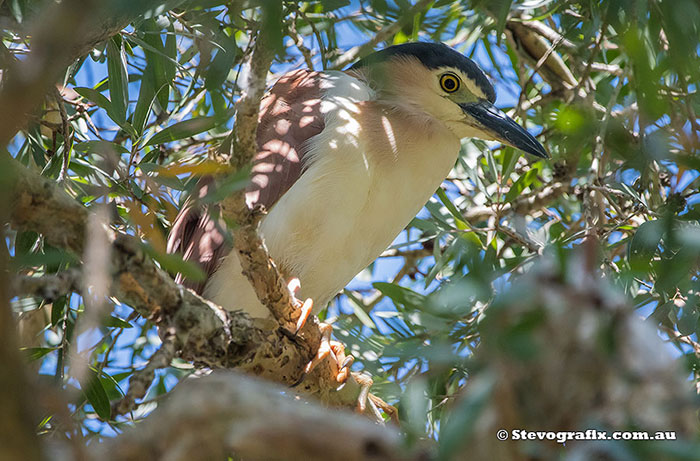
{"x":367,"y":177}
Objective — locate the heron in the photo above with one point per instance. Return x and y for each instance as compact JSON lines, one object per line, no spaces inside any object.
{"x":346,"y":159}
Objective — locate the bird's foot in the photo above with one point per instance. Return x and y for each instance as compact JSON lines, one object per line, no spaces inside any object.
{"x":304,"y":307}
{"x":328,"y":348}
{"x":333,"y":350}
{"x":367,"y":401}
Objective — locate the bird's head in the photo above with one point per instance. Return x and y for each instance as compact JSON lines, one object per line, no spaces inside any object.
{"x":434,"y":79}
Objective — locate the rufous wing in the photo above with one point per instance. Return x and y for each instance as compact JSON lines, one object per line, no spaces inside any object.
{"x":289,"y":116}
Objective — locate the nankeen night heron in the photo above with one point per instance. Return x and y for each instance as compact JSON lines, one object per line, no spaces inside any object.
{"x":346,"y":159}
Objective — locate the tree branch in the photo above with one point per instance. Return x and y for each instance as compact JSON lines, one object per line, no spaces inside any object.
{"x":141,"y":380}
{"x":238,"y":150}
{"x":225,"y":413}
{"x":48,"y":287}
{"x":205,"y":333}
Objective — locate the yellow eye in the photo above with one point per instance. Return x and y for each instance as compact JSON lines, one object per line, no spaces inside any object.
{"x":449,"y":83}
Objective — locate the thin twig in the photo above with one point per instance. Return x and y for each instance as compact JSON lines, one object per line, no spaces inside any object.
{"x":299,"y":42}
{"x":260,"y":270}
{"x":48,"y":287}
{"x":319,"y":38}
{"x":522,"y":240}
{"x":63,"y":175}
{"x":141,"y":380}
{"x":523,"y":205}
{"x":684,"y":339}
{"x":383,"y":34}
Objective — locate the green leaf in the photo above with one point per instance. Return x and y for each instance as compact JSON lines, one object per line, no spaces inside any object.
{"x":228,"y":185}
{"x":501,"y":8}
{"x":491,"y":162}
{"x":25,"y":242}
{"x":644,"y":244}
{"x":520,"y":185}
{"x":465,"y":415}
{"x":111,"y":384}
{"x":98,"y":98}
{"x":118,"y":79}
{"x":144,"y":103}
{"x":400,"y":295}
{"x":184,"y":129}
{"x":688,"y":320}
{"x":161,"y":60}
{"x":451,"y":207}
{"x":116,"y":322}
{"x":170,"y":51}
{"x":57,"y":309}
{"x":219,"y":68}
{"x":35,"y":353}
{"x":101,"y":147}
{"x":273,"y":26}
{"x":360,"y":313}
{"x":508,"y":161}
{"x":51,"y":257}
{"x":689,"y":236}
{"x":330,"y":5}
{"x":96,"y":395}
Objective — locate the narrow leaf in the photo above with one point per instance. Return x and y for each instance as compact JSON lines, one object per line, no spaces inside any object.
{"x":96,"y":395}
{"x":144,"y":103}
{"x":184,"y":129}
{"x":35,"y":353}
{"x":116,"y":322}
{"x":400,"y":295}
{"x":118,"y":80}
{"x":101,"y":147}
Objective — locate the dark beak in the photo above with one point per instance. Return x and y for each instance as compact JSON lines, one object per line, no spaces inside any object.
{"x":503,"y":128}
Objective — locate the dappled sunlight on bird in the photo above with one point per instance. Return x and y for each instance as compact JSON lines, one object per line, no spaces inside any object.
{"x":346,"y":160}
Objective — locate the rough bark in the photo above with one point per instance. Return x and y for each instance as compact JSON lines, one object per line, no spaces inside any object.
{"x":203,"y":332}
{"x":226,"y":412}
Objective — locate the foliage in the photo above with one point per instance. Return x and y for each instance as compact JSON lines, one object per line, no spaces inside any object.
{"x":610,"y":86}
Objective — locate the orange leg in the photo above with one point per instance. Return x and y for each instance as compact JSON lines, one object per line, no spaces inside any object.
{"x":333,"y":350}
{"x":305,"y":307}
{"x":344,"y":362}
{"x":367,"y":401}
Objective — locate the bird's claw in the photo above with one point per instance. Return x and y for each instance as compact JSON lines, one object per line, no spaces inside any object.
{"x":344,"y":362}
{"x":305,"y":312}
{"x":324,"y":349}
{"x":336,"y":351}
{"x":333,"y":349}
{"x":305,"y":307}
{"x":366,"y":400}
